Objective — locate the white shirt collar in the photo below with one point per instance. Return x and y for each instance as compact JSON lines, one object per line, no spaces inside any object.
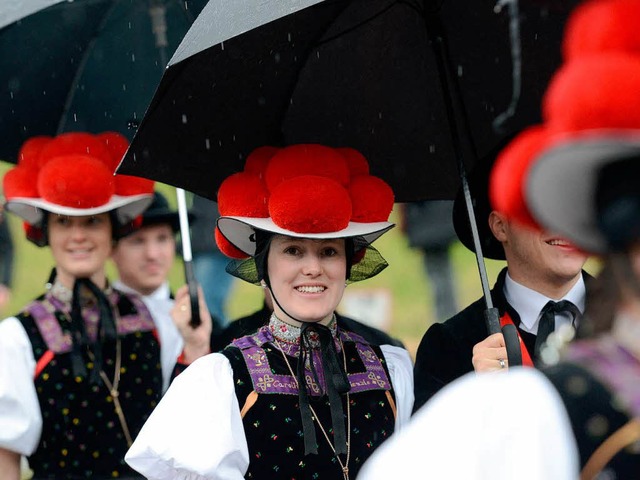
{"x":528,"y":303}
{"x":163,"y":292}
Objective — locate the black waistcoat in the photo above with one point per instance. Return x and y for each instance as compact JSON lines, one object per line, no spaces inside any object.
{"x":273,"y":426}
{"x":82,"y":436}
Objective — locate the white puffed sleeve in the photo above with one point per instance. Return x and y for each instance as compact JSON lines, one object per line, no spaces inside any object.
{"x":20,"y":416}
{"x":401,"y":371}
{"x":196,"y":431}
{"x":484,"y":427}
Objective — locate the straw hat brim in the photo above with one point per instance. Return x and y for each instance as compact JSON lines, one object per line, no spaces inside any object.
{"x":240,"y":231}
{"x":31,"y":210}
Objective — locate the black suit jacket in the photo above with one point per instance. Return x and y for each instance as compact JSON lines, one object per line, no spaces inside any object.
{"x":446,"y":349}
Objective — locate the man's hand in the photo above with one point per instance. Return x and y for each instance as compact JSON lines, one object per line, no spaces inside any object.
{"x":490,"y":354}
{"x":196,"y":340}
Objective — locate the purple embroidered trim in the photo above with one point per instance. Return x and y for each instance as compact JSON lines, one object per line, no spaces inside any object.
{"x":43,"y":313}
{"x":613,"y":365}
{"x":265,"y":381}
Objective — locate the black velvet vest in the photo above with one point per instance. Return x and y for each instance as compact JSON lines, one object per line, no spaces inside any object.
{"x":82,"y":436}
{"x":273,"y":424}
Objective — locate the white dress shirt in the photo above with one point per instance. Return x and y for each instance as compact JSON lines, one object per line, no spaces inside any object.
{"x":528,"y":303}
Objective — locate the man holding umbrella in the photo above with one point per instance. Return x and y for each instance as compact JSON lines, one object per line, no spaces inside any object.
{"x":541,"y":268}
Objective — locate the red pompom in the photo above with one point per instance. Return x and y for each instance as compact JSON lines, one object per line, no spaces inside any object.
{"x":509,"y":173}
{"x":127,"y":185}
{"x":227,"y":247}
{"x":244,"y":195}
{"x":594,"y":92}
{"x":310,"y":204}
{"x":600,"y":26}
{"x":372,"y":199}
{"x":356,"y":161}
{"x":29,"y":155}
{"x":76,"y":143}
{"x":76,"y":181}
{"x":256,"y":162}
{"x":306,"y":159}
{"x":116,"y":144}
{"x":20,"y":182}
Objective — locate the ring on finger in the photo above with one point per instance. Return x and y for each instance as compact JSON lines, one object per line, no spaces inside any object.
{"x":503,"y":363}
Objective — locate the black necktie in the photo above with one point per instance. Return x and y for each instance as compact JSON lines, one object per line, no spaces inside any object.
{"x":548,"y":320}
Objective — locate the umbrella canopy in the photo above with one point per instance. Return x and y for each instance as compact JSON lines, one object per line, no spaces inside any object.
{"x":358,"y":73}
{"x":83,"y":65}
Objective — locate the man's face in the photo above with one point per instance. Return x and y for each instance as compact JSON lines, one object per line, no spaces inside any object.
{"x":145,"y":257}
{"x":538,"y":259}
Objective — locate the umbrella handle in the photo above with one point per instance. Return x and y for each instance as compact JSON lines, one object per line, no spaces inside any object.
{"x":492,"y":320}
{"x":186,"y":255}
{"x":512,"y":342}
{"x":509,"y":332}
{"x":193,"y":294}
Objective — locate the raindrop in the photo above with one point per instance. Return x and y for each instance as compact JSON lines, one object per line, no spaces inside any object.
{"x":276,"y":57}
{"x":459,"y":70}
{"x":44,"y":93}
{"x":432,"y":148}
{"x":133,"y":58}
{"x":233,"y":137}
{"x":133,"y":124}
{"x":317,"y":53}
{"x":11,"y":95}
{"x":75,"y":117}
{"x":124,"y":87}
{"x":289,"y":37}
{"x":130,"y":26}
{"x":220,"y":143}
{"x":221,"y":45}
{"x":207,"y":144}
{"x":184,"y":118}
{"x":380,"y":115}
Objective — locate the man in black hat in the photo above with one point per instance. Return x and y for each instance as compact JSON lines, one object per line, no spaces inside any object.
{"x":541,"y":268}
{"x":144,"y":257}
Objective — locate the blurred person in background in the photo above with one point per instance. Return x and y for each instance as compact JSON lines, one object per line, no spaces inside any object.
{"x":80,"y":366}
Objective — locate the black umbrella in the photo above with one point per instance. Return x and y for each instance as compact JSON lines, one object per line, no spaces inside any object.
{"x":416,"y":85}
{"x":85,"y":65}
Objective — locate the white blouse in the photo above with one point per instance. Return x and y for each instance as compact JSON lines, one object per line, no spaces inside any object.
{"x":497,"y":426}
{"x":196,"y":431}
{"x":20,"y":416}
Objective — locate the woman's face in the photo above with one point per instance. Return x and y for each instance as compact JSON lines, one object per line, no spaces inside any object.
{"x":307,"y":277}
{"x":80,"y":246}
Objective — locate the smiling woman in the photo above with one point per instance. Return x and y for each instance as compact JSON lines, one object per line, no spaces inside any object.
{"x":303,"y":396}
{"x":86,"y":368}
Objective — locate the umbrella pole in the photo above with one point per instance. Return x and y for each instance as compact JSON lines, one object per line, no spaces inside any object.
{"x":187,"y":257}
{"x":461,"y":137}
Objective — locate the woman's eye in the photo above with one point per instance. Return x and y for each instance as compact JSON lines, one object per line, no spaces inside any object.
{"x":292,"y":251}
{"x":329,"y":252}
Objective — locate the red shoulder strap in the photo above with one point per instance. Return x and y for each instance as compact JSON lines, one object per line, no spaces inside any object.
{"x":526,"y":358}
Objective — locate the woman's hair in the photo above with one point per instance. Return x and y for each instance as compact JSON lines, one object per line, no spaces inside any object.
{"x":607,"y":291}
